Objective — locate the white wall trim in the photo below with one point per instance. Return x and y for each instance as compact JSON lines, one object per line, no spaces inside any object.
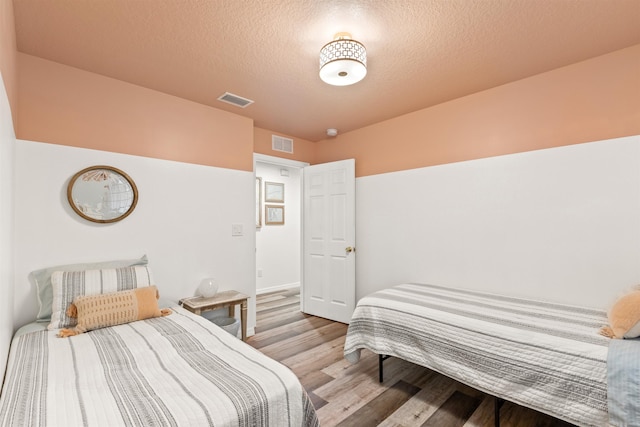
{"x":277,"y":161}
{"x":277,"y":288}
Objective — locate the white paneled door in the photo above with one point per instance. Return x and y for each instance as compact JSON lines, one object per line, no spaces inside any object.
{"x":329,"y":240}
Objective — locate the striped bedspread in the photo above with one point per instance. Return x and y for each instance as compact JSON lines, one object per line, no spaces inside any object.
{"x":178,"y":370}
{"x":545,"y":356}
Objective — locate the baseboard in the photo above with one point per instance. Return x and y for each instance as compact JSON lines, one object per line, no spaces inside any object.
{"x":277,"y":288}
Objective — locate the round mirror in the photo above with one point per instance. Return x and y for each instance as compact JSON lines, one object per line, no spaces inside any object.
{"x":102,"y":194}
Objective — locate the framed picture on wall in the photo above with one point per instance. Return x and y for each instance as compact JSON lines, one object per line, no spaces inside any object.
{"x":258,"y":202}
{"x":274,"y":192}
{"x":273,"y":215}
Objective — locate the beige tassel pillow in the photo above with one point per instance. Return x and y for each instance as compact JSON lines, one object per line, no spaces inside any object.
{"x":115,"y":308}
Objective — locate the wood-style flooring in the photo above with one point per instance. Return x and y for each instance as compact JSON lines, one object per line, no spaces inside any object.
{"x":350,"y":395}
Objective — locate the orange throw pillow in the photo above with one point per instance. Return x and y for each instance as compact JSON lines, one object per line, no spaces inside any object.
{"x":115,"y":308}
{"x":624,"y":317}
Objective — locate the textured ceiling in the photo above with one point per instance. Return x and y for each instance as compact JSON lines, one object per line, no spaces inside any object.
{"x":420,"y":52}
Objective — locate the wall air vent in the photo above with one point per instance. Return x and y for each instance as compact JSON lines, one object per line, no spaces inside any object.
{"x":280,"y":143}
{"x":236,"y":100}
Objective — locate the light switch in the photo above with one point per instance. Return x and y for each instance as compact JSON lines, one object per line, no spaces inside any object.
{"x":236,"y":229}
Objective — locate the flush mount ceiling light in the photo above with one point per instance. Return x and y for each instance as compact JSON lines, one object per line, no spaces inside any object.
{"x":343,"y":61}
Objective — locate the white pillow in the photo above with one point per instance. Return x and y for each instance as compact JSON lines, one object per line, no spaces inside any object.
{"x":68,"y":285}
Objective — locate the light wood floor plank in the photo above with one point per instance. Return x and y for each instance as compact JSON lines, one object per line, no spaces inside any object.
{"x":284,"y":332}
{"x":348,"y":395}
{"x":424,"y":403}
{"x":316,"y":401}
{"x":270,"y":312}
{"x":276,"y":321}
{"x":304,"y":341}
{"x":367,"y":379}
{"x":267,"y":298}
{"x":454,"y":412}
{"x":483,"y":416}
{"x":313,"y":380}
{"x":280,"y":301}
{"x":317,"y":358}
{"x":342,"y":368}
{"x":382,"y":406}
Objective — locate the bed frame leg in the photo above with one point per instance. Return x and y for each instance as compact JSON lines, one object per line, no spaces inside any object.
{"x":496,"y":411}
{"x":381,"y":358}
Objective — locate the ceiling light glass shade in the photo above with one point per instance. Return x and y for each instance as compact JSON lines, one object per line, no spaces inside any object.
{"x":343,"y":61}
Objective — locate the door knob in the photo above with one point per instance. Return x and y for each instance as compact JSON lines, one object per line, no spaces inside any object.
{"x":349,"y":249}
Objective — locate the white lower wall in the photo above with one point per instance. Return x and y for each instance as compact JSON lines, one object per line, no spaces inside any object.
{"x":183,"y":222}
{"x":7,"y":144}
{"x":560,"y":224}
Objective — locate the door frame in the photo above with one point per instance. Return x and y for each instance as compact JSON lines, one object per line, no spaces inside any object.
{"x":279,"y":161}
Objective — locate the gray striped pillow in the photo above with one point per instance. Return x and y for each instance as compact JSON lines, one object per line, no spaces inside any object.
{"x":68,"y":285}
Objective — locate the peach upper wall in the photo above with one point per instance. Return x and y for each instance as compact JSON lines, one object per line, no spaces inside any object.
{"x":303,"y":150}
{"x":588,"y":101}
{"x":592,"y":100}
{"x":8,"y":56}
{"x":67,"y":106}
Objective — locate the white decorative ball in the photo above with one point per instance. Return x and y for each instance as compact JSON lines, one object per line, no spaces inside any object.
{"x":208,"y":288}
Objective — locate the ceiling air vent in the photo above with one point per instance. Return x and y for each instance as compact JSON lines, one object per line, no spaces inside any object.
{"x":236,"y":100}
{"x":280,"y":143}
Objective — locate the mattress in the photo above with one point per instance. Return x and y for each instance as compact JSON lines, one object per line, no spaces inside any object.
{"x":178,"y":370}
{"x":541,"y":355}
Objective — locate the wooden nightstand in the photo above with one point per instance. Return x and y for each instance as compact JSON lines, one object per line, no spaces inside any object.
{"x":220,"y":300}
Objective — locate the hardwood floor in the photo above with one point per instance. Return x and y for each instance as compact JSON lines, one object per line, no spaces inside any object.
{"x":350,"y":395}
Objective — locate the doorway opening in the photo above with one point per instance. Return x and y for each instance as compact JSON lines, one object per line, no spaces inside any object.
{"x":278,"y":223}
{"x":312,"y":249}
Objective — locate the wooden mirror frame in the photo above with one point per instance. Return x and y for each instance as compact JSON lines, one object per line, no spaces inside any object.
{"x":110,"y":169}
